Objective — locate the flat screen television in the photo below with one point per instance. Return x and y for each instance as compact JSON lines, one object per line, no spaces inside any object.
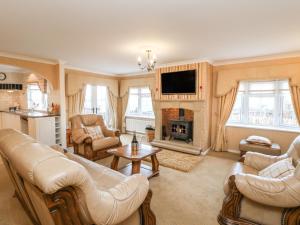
{"x":182,"y":82}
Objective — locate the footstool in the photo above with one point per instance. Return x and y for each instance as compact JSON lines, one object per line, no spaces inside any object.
{"x":274,"y":149}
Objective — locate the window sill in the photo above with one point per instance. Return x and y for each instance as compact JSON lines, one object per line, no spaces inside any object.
{"x":140,"y":117}
{"x":280,"y":129}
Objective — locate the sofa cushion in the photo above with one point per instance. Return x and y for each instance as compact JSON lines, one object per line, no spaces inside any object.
{"x":104,"y":143}
{"x":279,"y":169}
{"x":258,"y":140}
{"x":94,"y":131}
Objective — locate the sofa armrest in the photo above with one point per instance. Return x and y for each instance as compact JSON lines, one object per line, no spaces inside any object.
{"x":120,"y":201}
{"x":260,"y":161}
{"x":270,"y":191}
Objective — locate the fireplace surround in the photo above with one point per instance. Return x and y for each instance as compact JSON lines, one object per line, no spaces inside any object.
{"x":197,"y":109}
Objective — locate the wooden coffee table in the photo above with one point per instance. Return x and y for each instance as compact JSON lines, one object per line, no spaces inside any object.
{"x":136,"y":157}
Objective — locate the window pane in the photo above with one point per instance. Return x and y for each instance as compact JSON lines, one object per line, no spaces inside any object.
{"x":236,"y":114}
{"x":35,"y":98}
{"x":145,"y":91}
{"x":133,"y":104}
{"x":261,"y":110}
{"x":288,"y":117}
{"x":134,"y":91}
{"x":88,"y":105}
{"x":262,"y":86}
{"x":146,"y":107}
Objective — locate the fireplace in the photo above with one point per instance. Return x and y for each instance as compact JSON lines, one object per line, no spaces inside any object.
{"x":177,"y":124}
{"x":182,"y":130}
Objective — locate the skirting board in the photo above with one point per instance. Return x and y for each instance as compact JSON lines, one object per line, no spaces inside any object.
{"x":234,"y":151}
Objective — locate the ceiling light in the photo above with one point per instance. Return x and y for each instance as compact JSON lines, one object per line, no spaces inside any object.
{"x":150,"y":61}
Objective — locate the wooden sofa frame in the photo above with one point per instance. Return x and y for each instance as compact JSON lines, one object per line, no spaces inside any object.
{"x":230,"y":212}
{"x":63,"y":205}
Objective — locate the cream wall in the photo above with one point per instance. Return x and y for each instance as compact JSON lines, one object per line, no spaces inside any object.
{"x":225,"y":76}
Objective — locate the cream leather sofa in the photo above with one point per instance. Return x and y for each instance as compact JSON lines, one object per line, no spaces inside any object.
{"x":63,"y":188}
{"x":85,"y":145}
{"x":251,"y":199}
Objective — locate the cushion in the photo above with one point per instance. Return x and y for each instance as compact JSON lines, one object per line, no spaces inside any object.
{"x":105,"y":143}
{"x":279,"y":169}
{"x":94,"y":131}
{"x":258,"y":140}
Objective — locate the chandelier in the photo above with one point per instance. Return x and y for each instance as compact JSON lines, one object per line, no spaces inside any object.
{"x":150,"y":61}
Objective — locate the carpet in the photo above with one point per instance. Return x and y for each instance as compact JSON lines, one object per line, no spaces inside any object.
{"x":177,"y":160}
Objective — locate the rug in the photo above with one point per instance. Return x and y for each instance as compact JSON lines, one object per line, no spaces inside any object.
{"x":177,"y":160}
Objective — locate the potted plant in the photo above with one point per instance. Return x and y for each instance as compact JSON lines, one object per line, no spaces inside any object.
{"x":150,"y":132}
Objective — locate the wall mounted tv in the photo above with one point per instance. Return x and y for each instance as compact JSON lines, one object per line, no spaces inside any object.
{"x":182,"y":82}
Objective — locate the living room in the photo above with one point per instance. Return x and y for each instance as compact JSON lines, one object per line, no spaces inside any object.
{"x":144,"y":113}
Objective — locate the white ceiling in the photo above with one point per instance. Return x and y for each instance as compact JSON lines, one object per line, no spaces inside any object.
{"x":107,"y":36}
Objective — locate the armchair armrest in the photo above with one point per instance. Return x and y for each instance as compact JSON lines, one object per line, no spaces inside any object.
{"x":270,"y":191}
{"x":111,"y":133}
{"x":120,"y":201}
{"x":79,"y":137}
{"x":260,"y":161}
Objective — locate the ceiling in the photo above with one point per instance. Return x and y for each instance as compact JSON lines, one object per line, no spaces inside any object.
{"x":107,"y":36}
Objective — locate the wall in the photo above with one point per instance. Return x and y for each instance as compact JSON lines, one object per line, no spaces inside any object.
{"x":225,"y":76}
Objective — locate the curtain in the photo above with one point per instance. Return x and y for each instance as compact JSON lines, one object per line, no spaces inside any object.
{"x":225,"y":105}
{"x":295,"y":94}
{"x":76,"y":102}
{"x":153,"y":101}
{"x":124,"y":108}
{"x":113,"y":104}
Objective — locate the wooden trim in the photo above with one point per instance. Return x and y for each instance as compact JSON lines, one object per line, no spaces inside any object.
{"x":291,"y":216}
{"x":147,"y":215}
{"x":63,"y":206}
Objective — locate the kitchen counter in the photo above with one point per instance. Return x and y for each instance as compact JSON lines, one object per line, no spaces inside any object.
{"x":29,"y":114}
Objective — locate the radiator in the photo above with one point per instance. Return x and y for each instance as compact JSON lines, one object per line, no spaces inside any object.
{"x":138,"y":124}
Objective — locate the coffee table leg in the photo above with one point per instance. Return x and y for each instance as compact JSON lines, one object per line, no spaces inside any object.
{"x":136,"y":167}
{"x":115,"y":162}
{"x":155,"y":163}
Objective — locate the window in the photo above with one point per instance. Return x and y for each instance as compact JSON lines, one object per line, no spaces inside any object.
{"x":140,"y":103}
{"x":36,"y":99}
{"x":96,"y":102}
{"x":264,"y":103}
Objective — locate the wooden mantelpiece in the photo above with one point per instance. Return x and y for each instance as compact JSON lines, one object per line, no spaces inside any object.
{"x":203,"y":73}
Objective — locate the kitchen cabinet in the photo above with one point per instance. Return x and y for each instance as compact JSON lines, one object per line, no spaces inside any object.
{"x":10,"y":120}
{"x":42,"y":129}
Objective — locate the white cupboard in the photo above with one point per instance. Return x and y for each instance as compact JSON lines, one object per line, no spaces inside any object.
{"x":10,"y":120}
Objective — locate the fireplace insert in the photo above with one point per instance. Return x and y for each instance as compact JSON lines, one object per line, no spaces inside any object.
{"x":182,"y":130}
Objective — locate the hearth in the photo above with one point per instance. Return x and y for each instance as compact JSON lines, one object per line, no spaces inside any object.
{"x":181,"y":129}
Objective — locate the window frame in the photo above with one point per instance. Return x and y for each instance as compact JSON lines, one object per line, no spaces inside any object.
{"x":278,"y":94}
{"x":140,"y":95}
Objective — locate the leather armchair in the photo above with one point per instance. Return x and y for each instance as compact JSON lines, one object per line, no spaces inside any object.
{"x":85,"y":145}
{"x":251,"y":199}
{"x":57,"y":187}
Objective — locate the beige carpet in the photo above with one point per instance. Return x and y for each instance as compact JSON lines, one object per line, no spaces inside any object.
{"x":179,"y":198}
{"x":177,"y":160}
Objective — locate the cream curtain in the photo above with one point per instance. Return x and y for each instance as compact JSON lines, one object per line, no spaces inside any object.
{"x":295,"y":93}
{"x":225,"y":105}
{"x":113,"y":104}
{"x":124,"y":108}
{"x":76,"y":102}
{"x":153,"y":101}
